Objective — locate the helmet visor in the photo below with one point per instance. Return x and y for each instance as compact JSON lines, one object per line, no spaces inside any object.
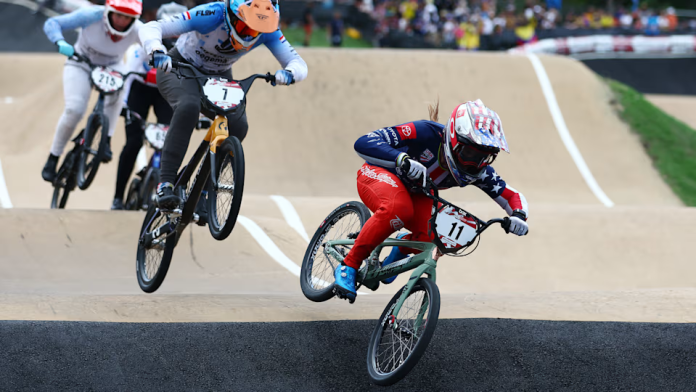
{"x":243,"y":31}
{"x":471,"y":160}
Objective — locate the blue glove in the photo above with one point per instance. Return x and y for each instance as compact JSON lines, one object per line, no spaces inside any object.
{"x":162,"y":61}
{"x":284,"y":77}
{"x":65,"y":48}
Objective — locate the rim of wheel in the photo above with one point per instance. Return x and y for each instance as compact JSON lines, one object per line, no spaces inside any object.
{"x":93,"y":149}
{"x":224,"y":192}
{"x":322,"y":275}
{"x":395,"y":345}
{"x":154,"y":254}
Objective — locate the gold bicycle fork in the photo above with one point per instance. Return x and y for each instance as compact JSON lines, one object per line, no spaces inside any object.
{"x":217,"y":133}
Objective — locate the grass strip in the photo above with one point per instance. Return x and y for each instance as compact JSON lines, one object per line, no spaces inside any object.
{"x":669,"y":142}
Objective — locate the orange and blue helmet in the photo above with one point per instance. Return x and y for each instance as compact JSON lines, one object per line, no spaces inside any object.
{"x":247,"y":20}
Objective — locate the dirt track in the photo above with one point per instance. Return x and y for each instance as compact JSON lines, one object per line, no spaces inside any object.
{"x":581,"y":261}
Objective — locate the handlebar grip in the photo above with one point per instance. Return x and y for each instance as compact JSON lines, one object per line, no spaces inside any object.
{"x":506,"y":224}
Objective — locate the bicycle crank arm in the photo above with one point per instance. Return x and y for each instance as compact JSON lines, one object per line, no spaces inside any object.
{"x":150,"y":238}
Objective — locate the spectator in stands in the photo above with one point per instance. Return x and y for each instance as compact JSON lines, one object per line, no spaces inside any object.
{"x":308,"y":22}
{"x":336,"y":30}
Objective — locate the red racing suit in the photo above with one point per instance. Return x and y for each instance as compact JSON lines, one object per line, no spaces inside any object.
{"x":393,"y":206}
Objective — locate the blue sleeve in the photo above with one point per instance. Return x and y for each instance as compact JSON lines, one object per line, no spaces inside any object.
{"x":83,"y":17}
{"x":286,"y":54}
{"x":383,"y":146}
{"x":203,"y":19}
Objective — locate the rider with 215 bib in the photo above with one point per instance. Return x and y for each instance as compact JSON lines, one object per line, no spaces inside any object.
{"x":91,"y":145}
{"x":106,"y":33}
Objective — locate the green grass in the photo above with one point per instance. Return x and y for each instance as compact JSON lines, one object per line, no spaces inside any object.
{"x":670,"y":143}
{"x":319,"y":39}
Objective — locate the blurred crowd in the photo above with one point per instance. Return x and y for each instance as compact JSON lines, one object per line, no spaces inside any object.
{"x":482,"y":24}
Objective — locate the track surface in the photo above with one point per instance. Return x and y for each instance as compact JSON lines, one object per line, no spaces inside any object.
{"x":471,"y":354}
{"x":581,"y":262}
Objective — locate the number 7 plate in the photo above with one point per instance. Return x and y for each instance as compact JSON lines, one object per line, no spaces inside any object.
{"x":455,"y":228}
{"x":225,"y":95}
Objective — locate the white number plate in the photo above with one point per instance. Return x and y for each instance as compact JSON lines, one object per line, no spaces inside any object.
{"x":155,"y":134}
{"x":454,"y":228}
{"x":225,"y":95}
{"x":106,"y":79}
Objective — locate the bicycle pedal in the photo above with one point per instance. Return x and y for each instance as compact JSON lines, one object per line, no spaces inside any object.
{"x":342,"y":295}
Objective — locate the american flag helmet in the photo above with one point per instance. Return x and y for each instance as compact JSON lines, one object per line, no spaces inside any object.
{"x":473,"y":137}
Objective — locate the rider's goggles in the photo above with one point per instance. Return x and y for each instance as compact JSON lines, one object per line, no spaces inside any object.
{"x":243,"y":31}
{"x":471,"y":159}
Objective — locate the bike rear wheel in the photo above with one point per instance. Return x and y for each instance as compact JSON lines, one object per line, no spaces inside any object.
{"x":152,"y":262}
{"x":64,"y":183}
{"x":149,"y":188}
{"x":225,"y":197}
{"x":95,"y":138}
{"x":397,"y":343}
{"x":133,"y":201}
{"x":317,"y":273}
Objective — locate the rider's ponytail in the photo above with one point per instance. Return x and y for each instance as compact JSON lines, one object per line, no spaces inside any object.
{"x":434,"y":110}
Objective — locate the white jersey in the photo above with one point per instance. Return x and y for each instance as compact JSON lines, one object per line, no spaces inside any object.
{"x":205,"y":41}
{"x":94,"y":40}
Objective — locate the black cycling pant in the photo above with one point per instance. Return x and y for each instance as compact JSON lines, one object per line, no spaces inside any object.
{"x":140,"y":99}
{"x":185,"y":97}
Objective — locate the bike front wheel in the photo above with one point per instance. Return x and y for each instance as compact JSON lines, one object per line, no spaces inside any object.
{"x":398,"y":342}
{"x":154,"y":255}
{"x":64,"y":183}
{"x":317,"y":272}
{"x":225,"y":196}
{"x":95,"y":138}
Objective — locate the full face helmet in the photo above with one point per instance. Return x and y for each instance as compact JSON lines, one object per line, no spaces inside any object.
{"x":130,"y":8}
{"x":473,"y":137}
{"x":247,"y":20}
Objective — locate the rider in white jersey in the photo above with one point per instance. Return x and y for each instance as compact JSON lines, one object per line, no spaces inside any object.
{"x":107,"y":32}
{"x":213,"y":37}
{"x":141,"y":94}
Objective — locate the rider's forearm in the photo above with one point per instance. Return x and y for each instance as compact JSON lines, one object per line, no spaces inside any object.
{"x":511,"y":200}
{"x":374,"y":149}
{"x":299,"y":69}
{"x":150,"y":36}
{"x":84,"y":17}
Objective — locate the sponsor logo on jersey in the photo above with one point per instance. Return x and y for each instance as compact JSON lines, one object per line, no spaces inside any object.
{"x":426,"y":156}
{"x":205,"y":12}
{"x":397,"y":224}
{"x":407,"y":131}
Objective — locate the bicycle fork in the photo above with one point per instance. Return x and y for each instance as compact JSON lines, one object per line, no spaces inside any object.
{"x":427,"y":268}
{"x":217,"y":134}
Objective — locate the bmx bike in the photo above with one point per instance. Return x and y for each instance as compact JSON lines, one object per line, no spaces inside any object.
{"x":82,"y":162}
{"x":408,"y":321}
{"x":221,"y":173}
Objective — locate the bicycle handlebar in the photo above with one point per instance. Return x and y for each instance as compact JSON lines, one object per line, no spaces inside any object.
{"x":245,"y":83}
{"x":83,"y":59}
{"x":431,"y":191}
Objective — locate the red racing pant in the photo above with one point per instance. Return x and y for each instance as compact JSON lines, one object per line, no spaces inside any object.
{"x":393,"y":207}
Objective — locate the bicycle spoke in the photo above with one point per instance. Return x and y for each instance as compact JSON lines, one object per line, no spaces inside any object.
{"x":225,"y":191}
{"x":323,"y":266}
{"x":397,"y":344}
{"x":153,"y":255}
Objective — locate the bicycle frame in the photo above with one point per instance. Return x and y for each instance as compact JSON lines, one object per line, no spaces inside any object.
{"x":372,"y":273}
{"x":423,"y":263}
